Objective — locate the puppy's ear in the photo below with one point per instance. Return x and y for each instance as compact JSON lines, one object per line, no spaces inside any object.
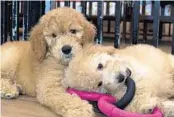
{"x":38,"y":42}
{"x":90,"y":32}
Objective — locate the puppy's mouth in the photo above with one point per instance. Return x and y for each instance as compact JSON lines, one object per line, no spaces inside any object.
{"x":66,"y":58}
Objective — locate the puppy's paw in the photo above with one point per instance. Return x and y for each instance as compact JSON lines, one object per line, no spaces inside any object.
{"x":147,"y":108}
{"x":9,"y":90}
{"x":85,"y":111}
{"x":167,"y":108}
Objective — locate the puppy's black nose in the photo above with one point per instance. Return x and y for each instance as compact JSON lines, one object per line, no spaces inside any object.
{"x":120,"y":78}
{"x":66,"y":49}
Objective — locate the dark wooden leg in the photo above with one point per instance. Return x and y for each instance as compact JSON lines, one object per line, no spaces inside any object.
{"x":109,"y":26}
{"x":156,"y":20}
{"x":145,"y":31}
{"x":117,"y":24}
{"x":135,"y":22}
{"x":169,"y":29}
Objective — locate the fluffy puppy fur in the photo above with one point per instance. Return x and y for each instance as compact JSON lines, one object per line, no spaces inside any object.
{"x":36,"y":67}
{"x":106,"y":71}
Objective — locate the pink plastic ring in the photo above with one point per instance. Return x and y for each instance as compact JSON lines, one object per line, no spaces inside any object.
{"x":112,"y":111}
{"x":105,"y":104}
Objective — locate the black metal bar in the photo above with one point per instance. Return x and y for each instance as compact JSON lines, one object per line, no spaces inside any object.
{"x":161,"y":24}
{"x":107,"y":14}
{"x":107,"y":8}
{"x":74,"y":4}
{"x":173,"y":40}
{"x":156,"y":20}
{"x":3,"y":5}
{"x":34,"y":8}
{"x":117,"y":24}
{"x":124,"y":21}
{"x":99,"y":23}
{"x":152,"y":8}
{"x":135,"y":21}
{"x":67,"y":3}
{"x":58,"y":3}
{"x":83,"y":4}
{"x":53,"y":4}
{"x":25,"y":19}
{"x":10,"y":18}
{"x":172,"y":14}
{"x":90,"y":8}
{"x":15,"y":20}
{"x":144,"y":22}
{"x":42,"y":8}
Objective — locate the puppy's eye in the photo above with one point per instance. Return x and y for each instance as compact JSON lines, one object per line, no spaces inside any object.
{"x":100,"y":66}
{"x":100,"y":84}
{"x":53,"y":35}
{"x":73,"y":31}
{"x":81,"y":44}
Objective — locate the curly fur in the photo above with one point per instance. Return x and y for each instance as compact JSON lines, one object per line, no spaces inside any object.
{"x":152,"y":70}
{"x":36,"y":67}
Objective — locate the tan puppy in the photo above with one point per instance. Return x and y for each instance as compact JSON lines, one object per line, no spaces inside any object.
{"x":106,"y":71}
{"x":37,"y":66}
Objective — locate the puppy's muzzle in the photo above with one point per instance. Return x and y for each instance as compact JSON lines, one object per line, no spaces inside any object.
{"x":66,"y":49}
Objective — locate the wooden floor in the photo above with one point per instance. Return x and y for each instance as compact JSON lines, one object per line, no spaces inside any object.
{"x":25,"y":107}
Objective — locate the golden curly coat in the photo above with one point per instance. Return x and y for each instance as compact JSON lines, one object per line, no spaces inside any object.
{"x":36,"y":67}
{"x":104,"y":69}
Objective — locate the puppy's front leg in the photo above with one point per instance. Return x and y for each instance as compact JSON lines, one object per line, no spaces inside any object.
{"x":51,"y":94}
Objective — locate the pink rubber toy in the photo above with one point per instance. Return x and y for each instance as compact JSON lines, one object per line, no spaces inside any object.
{"x":105,"y":104}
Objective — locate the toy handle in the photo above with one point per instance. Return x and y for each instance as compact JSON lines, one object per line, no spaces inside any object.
{"x":112,"y":111}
